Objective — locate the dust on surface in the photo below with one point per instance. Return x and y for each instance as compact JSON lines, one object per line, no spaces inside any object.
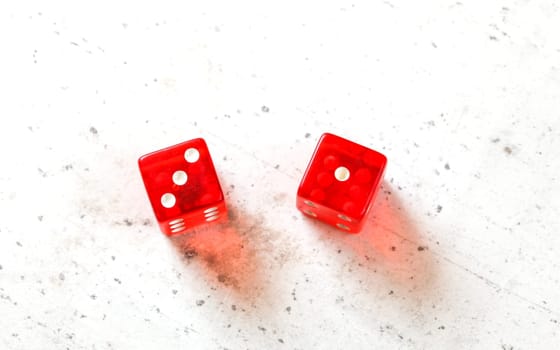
{"x":237,"y":253}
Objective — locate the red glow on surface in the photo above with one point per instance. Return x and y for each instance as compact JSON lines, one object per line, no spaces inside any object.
{"x":391,"y":244}
{"x":228,"y":254}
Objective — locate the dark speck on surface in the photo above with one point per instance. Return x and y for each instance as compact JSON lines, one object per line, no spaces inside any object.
{"x":508,"y":150}
{"x":61,"y":276}
{"x":93,"y":130}
{"x":211,"y":260}
{"x":0,"y":267}
{"x":222,"y":278}
{"x":439,"y":208}
{"x":307,"y":135}
{"x":40,"y":217}
{"x":289,"y":309}
{"x":234,"y":307}
{"x":174,"y":291}
{"x":447,"y":167}
{"x":42,"y":172}
{"x":492,"y":37}
{"x":265,"y":109}
{"x":117,"y":280}
{"x":495,"y":140}
{"x":128,"y":222}
{"x":420,"y":248}
{"x":441,"y":327}
{"x":262,"y":329}
{"x":190,"y":253}
{"x":200,"y":302}
{"x":393,"y":248}
{"x":19,"y":244}
{"x":280,"y":340}
{"x":277,"y":166}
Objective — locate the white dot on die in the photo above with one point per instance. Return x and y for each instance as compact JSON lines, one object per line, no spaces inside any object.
{"x":168,"y":200}
{"x":342,"y":226}
{"x":192,"y":155}
{"x":341,"y":173}
{"x":180,"y":177}
{"x":344,"y":217}
{"x":310,"y":203}
{"x":211,"y":211}
{"x":310,"y":213}
{"x":213,"y":217}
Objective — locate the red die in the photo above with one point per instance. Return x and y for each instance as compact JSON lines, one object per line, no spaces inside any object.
{"x":340,"y":182}
{"x":182,"y":186}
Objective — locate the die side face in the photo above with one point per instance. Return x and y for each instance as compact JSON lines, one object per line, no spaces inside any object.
{"x":340,"y":182}
{"x":182,"y":186}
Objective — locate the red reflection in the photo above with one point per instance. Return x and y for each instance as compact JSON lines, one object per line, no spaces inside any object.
{"x":391,"y":243}
{"x":225,"y":253}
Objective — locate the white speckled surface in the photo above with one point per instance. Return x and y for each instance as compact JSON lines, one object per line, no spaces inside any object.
{"x":462,"y":250}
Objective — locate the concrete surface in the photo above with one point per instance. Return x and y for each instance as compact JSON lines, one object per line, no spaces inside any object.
{"x":461,"y":250}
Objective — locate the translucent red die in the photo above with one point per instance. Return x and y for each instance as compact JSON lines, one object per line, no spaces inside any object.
{"x":340,"y":182}
{"x":182,"y":186}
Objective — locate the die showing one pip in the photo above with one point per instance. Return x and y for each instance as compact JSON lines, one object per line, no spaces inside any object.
{"x":182,"y":186}
{"x":340,"y":182}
